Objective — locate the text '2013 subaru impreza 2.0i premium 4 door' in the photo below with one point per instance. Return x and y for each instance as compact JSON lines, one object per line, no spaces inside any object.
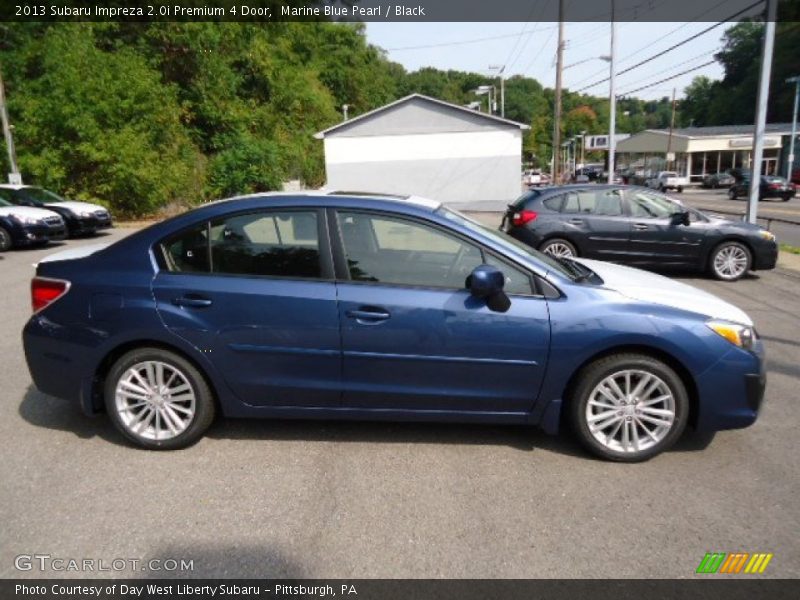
{"x":344,"y":305}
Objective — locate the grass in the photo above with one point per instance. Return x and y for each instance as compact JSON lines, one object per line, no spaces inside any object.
{"x":790,"y":249}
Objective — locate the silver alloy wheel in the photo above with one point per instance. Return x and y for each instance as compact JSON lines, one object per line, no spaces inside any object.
{"x":730,"y":262}
{"x":559,"y":250}
{"x":155,"y":400}
{"x":630,"y":411}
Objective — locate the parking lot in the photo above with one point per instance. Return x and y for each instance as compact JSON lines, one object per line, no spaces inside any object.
{"x":335,"y":499}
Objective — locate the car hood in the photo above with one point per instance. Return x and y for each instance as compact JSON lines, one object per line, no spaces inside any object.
{"x":77,"y":207}
{"x":26,"y":211}
{"x":657,"y":289}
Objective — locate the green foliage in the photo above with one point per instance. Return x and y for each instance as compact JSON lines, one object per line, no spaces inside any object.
{"x":142,"y":115}
{"x":732,"y":100}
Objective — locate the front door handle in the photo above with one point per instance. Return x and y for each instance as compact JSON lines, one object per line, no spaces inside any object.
{"x":368,"y":314}
{"x":192,"y":301}
{"x":640,"y":226}
{"x":576,"y":221}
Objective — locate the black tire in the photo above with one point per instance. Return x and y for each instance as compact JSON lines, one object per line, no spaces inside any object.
{"x":720,"y":248}
{"x":680,"y":189}
{"x":732,"y":194}
{"x":662,"y":189}
{"x":593,"y":374}
{"x":554,"y":241}
{"x":205,"y":408}
{"x":5,"y":240}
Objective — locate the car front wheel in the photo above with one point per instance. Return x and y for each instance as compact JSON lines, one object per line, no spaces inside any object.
{"x":559,"y":248}
{"x":732,"y":194}
{"x":5,"y":240}
{"x":628,"y":407}
{"x":730,"y":261}
{"x":158,"y":400}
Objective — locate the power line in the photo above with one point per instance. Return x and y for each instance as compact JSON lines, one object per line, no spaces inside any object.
{"x":654,"y":42}
{"x":644,"y":87}
{"x":671,"y":67}
{"x":673,"y":47}
{"x":462,"y":42}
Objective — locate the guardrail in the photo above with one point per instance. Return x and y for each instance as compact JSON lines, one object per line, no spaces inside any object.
{"x":743,"y":217}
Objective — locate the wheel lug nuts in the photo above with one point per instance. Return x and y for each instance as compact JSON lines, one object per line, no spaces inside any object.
{"x":619,"y":413}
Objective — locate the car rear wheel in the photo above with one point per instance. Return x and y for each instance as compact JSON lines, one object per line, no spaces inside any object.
{"x":732,"y":194}
{"x":559,"y":248}
{"x":5,"y":240}
{"x":628,"y":407}
{"x":158,"y":400}
{"x":730,"y":261}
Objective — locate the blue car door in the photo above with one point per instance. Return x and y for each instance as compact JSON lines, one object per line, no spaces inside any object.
{"x":254,"y":292}
{"x":413,"y":338}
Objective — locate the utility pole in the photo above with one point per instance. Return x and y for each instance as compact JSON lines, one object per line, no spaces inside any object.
{"x":612,"y":120}
{"x":559,"y":68}
{"x":345,"y":107}
{"x":761,"y":110}
{"x":14,"y":176}
{"x":671,"y":127}
{"x":790,"y":162}
{"x":501,"y":73}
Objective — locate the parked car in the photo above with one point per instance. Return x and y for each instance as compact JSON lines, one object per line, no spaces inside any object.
{"x":718,"y":180}
{"x":668,"y":180}
{"x":535,"y":178}
{"x":796,"y":177}
{"x":618,"y":179}
{"x":771,"y":187}
{"x":345,"y":306}
{"x":638,"y":226}
{"x":82,"y":218}
{"x":26,"y":226}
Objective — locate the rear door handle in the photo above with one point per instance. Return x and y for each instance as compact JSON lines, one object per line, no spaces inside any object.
{"x":368,"y":314}
{"x":192,"y":301}
{"x":640,"y":226}
{"x":576,"y":221}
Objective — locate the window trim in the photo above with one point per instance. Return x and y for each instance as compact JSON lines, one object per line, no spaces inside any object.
{"x":323,"y":241}
{"x":343,"y":272}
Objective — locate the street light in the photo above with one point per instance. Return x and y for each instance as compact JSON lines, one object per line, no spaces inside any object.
{"x":790,"y":163}
{"x":501,"y":73}
{"x":486,"y":89}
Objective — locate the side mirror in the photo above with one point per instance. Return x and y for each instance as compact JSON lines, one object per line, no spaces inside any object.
{"x":486,"y":283}
{"x":679,"y":218}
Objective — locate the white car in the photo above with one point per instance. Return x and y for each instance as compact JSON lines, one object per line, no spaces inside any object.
{"x":28,"y":226}
{"x":81,"y":218}
{"x":668,"y":180}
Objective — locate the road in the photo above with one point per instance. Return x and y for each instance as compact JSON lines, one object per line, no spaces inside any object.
{"x":333,"y":499}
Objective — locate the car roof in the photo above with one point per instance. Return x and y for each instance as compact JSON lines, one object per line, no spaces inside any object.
{"x":413,"y":200}
{"x":13,"y":186}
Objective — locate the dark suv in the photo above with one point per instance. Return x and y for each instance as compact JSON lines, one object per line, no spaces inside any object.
{"x":639,"y":226}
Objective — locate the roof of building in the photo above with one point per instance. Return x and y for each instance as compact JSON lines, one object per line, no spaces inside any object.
{"x":724,"y":130}
{"x":411,"y":97}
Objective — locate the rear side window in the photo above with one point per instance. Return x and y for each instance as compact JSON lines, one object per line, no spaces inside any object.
{"x":269,"y":243}
{"x":554,"y":203}
{"x":594,"y":202}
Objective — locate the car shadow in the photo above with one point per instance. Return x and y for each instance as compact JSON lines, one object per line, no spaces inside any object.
{"x":46,"y":411}
{"x":209,"y":561}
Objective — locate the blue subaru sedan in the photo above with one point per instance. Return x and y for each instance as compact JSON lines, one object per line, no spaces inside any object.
{"x":352,"y":306}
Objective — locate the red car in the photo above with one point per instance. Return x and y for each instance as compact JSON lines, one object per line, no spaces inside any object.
{"x":796,"y":176}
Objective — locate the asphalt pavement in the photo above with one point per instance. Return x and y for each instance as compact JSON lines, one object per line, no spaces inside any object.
{"x":336,"y":499}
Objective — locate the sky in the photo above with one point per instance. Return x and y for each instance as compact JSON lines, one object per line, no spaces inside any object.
{"x":529,"y":49}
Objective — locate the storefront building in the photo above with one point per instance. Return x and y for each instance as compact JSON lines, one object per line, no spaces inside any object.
{"x":699,"y":151}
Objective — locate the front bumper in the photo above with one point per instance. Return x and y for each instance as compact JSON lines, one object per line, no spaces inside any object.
{"x":731,"y":393}
{"x":31,"y":235}
{"x":765,"y":256}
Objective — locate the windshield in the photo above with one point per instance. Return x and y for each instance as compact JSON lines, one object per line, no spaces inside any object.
{"x":41,"y":195}
{"x":501,"y":238}
{"x":5,"y":203}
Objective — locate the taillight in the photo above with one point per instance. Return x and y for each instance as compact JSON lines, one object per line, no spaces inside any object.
{"x":521,"y":218}
{"x":775,"y":186}
{"x":45,"y":291}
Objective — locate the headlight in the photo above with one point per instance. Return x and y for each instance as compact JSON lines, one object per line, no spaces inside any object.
{"x":85,"y":215}
{"x":742,"y":336}
{"x":26,"y":220}
{"x":767,"y":235}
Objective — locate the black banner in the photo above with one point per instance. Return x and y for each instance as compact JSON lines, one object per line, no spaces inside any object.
{"x":732,"y":588}
{"x":394,"y":10}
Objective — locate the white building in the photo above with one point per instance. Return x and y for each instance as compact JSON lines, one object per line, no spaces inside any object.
{"x":420,"y":145}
